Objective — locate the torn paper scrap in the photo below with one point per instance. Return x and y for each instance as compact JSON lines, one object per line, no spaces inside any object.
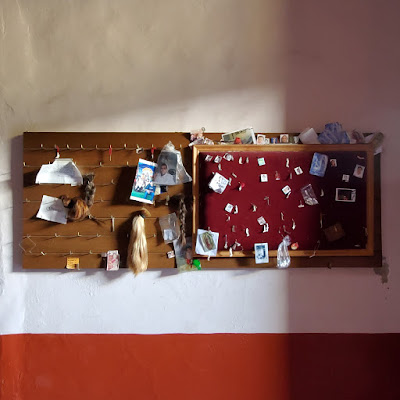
{"x":52,"y":209}
{"x":62,"y":170}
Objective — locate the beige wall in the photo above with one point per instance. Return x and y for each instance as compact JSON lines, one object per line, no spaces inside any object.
{"x":277,"y":65}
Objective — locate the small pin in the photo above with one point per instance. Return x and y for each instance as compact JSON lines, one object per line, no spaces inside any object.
{"x":247,"y":232}
{"x":233,"y":228}
{"x":125,"y":146}
{"x":240,"y":160}
{"x":112,"y":223}
{"x":254,"y":207}
{"x":236,"y":210}
{"x":110,"y":151}
{"x":152,"y":151}
{"x":57,"y":151}
{"x":234,"y":175}
{"x":265,"y":228}
{"x":301,"y":205}
{"x":294,"y":246}
{"x":67,"y":146}
{"x":287,"y":163}
{"x":293,"y":225}
{"x":82,"y":147}
{"x":241,"y":186}
{"x":226,"y":242}
{"x":282,"y":216}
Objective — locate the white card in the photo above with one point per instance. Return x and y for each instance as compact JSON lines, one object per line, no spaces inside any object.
{"x":52,"y":209}
{"x":264,"y":177}
{"x":286,"y":190}
{"x":229,"y":208}
{"x":261,"y":221}
{"x":218,"y":183}
{"x":298,"y":170}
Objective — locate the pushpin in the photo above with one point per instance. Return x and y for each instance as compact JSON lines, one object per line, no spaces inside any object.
{"x":301,"y":205}
{"x":226,"y":242}
{"x":266,"y":228}
{"x":236,"y":211}
{"x":241,"y":186}
{"x":230,"y":252}
{"x":293,"y":225}
{"x":247,"y":232}
{"x":287,"y":163}
{"x":110,"y":151}
{"x":152,"y":152}
{"x":57,"y":151}
{"x":240,"y":160}
{"x":294,"y":246}
{"x":254,"y":207}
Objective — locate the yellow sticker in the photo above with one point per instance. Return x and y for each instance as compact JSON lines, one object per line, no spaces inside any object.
{"x":72,"y":263}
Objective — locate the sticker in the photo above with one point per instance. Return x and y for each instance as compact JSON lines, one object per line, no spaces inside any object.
{"x":72,"y":263}
{"x":217,"y":159}
{"x":113,"y":260}
{"x":346,"y":195}
{"x":261,"y":221}
{"x":298,"y":170}
{"x":318,"y":164}
{"x":261,"y":253}
{"x":264,"y":177}
{"x":261,"y":161}
{"x":286,"y":190}
{"x":333,"y":162}
{"x":359,"y":171}
{"x":218,"y":183}
{"x":345,"y":178}
{"x":229,"y":208}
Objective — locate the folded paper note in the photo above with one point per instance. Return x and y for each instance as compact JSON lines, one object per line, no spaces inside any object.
{"x":62,"y":170}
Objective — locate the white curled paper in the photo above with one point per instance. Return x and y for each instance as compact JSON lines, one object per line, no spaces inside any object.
{"x":52,"y":209}
{"x":62,"y":170}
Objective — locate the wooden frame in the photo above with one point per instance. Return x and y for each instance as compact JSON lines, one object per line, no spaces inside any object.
{"x":368,"y":251}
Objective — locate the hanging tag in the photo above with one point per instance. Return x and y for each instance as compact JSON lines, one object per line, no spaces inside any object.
{"x":287,"y":163}
{"x":240,"y":160}
{"x":110,"y":151}
{"x":247,"y":232}
{"x":72,"y":263}
{"x":113,"y":258}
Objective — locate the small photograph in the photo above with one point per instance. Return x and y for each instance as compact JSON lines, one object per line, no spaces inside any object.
{"x":184,"y":255}
{"x":345,"y":178}
{"x":261,"y":161}
{"x":261,"y":139}
{"x":264,"y":177}
{"x":165,"y":173}
{"x":359,"y":171}
{"x":284,"y":138}
{"x":143,"y":186}
{"x":208,"y":157}
{"x":318,"y":164}
{"x":261,"y":253}
{"x":298,"y":170}
{"x":267,"y":140}
{"x":274,"y":140}
{"x":347,"y":195}
{"x":246,"y":136}
{"x":333,"y":162}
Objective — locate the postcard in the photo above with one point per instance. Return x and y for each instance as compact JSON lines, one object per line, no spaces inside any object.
{"x":245,"y":135}
{"x":318,"y":164}
{"x":143,"y":186}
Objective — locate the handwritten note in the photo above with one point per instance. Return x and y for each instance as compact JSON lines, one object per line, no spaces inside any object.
{"x":62,"y":170}
{"x":52,"y":209}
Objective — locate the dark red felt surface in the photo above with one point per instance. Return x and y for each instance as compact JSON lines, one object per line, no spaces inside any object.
{"x":308,"y":231}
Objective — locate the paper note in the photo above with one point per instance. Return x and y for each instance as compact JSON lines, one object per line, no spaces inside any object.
{"x":62,"y":170}
{"x":72,"y":263}
{"x":52,"y":209}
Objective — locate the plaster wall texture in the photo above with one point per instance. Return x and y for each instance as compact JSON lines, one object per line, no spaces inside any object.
{"x":276,"y":65}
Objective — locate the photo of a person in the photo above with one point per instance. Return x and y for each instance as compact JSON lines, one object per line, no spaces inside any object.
{"x":359,"y":171}
{"x":165,"y":173}
{"x":261,"y":253}
{"x":260,"y":139}
{"x":284,"y":138}
{"x":346,"y":195}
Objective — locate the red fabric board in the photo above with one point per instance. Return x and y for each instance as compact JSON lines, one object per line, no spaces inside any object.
{"x":308,"y":231}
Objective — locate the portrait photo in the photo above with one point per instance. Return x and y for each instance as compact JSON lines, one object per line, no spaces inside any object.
{"x":165,"y":173}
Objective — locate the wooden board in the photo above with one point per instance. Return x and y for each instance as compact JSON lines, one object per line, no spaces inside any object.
{"x":47,"y":245}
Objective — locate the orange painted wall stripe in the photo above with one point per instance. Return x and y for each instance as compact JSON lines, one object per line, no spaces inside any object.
{"x":191,"y":367}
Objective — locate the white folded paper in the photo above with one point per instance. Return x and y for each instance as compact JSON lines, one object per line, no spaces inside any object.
{"x":52,"y":209}
{"x":62,"y":170}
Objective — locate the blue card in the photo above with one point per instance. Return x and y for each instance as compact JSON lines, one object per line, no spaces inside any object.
{"x":319,"y":164}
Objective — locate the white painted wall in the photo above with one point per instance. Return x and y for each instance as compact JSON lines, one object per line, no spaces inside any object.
{"x":176,"y":65}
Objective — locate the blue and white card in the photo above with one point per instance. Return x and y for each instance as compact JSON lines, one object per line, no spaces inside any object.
{"x":319,"y":164}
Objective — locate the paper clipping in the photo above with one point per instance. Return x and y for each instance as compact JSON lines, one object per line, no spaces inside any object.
{"x":62,"y":170}
{"x":52,"y":209}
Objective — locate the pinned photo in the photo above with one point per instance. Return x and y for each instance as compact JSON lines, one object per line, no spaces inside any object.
{"x":274,"y":140}
{"x":261,"y":253}
{"x":346,"y":195}
{"x":207,"y":242}
{"x":318,"y":164}
{"x":286,"y":190}
{"x":260,"y":139}
{"x":359,"y":171}
{"x":264,"y":177}
{"x":143,"y":186}
{"x":261,"y":221}
{"x":298,"y":170}
{"x":333,"y":162}
{"x":228,"y":157}
{"x":261,"y":161}
{"x":208,"y":157}
{"x":165,"y":173}
{"x":217,"y":159}
{"x":284,"y":138}
{"x":345,"y":178}
{"x":229,"y":208}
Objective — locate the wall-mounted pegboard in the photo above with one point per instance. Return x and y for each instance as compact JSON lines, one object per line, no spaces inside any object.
{"x":47,"y":245}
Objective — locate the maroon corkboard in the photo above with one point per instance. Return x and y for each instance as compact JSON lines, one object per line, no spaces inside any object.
{"x":308,"y":232}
